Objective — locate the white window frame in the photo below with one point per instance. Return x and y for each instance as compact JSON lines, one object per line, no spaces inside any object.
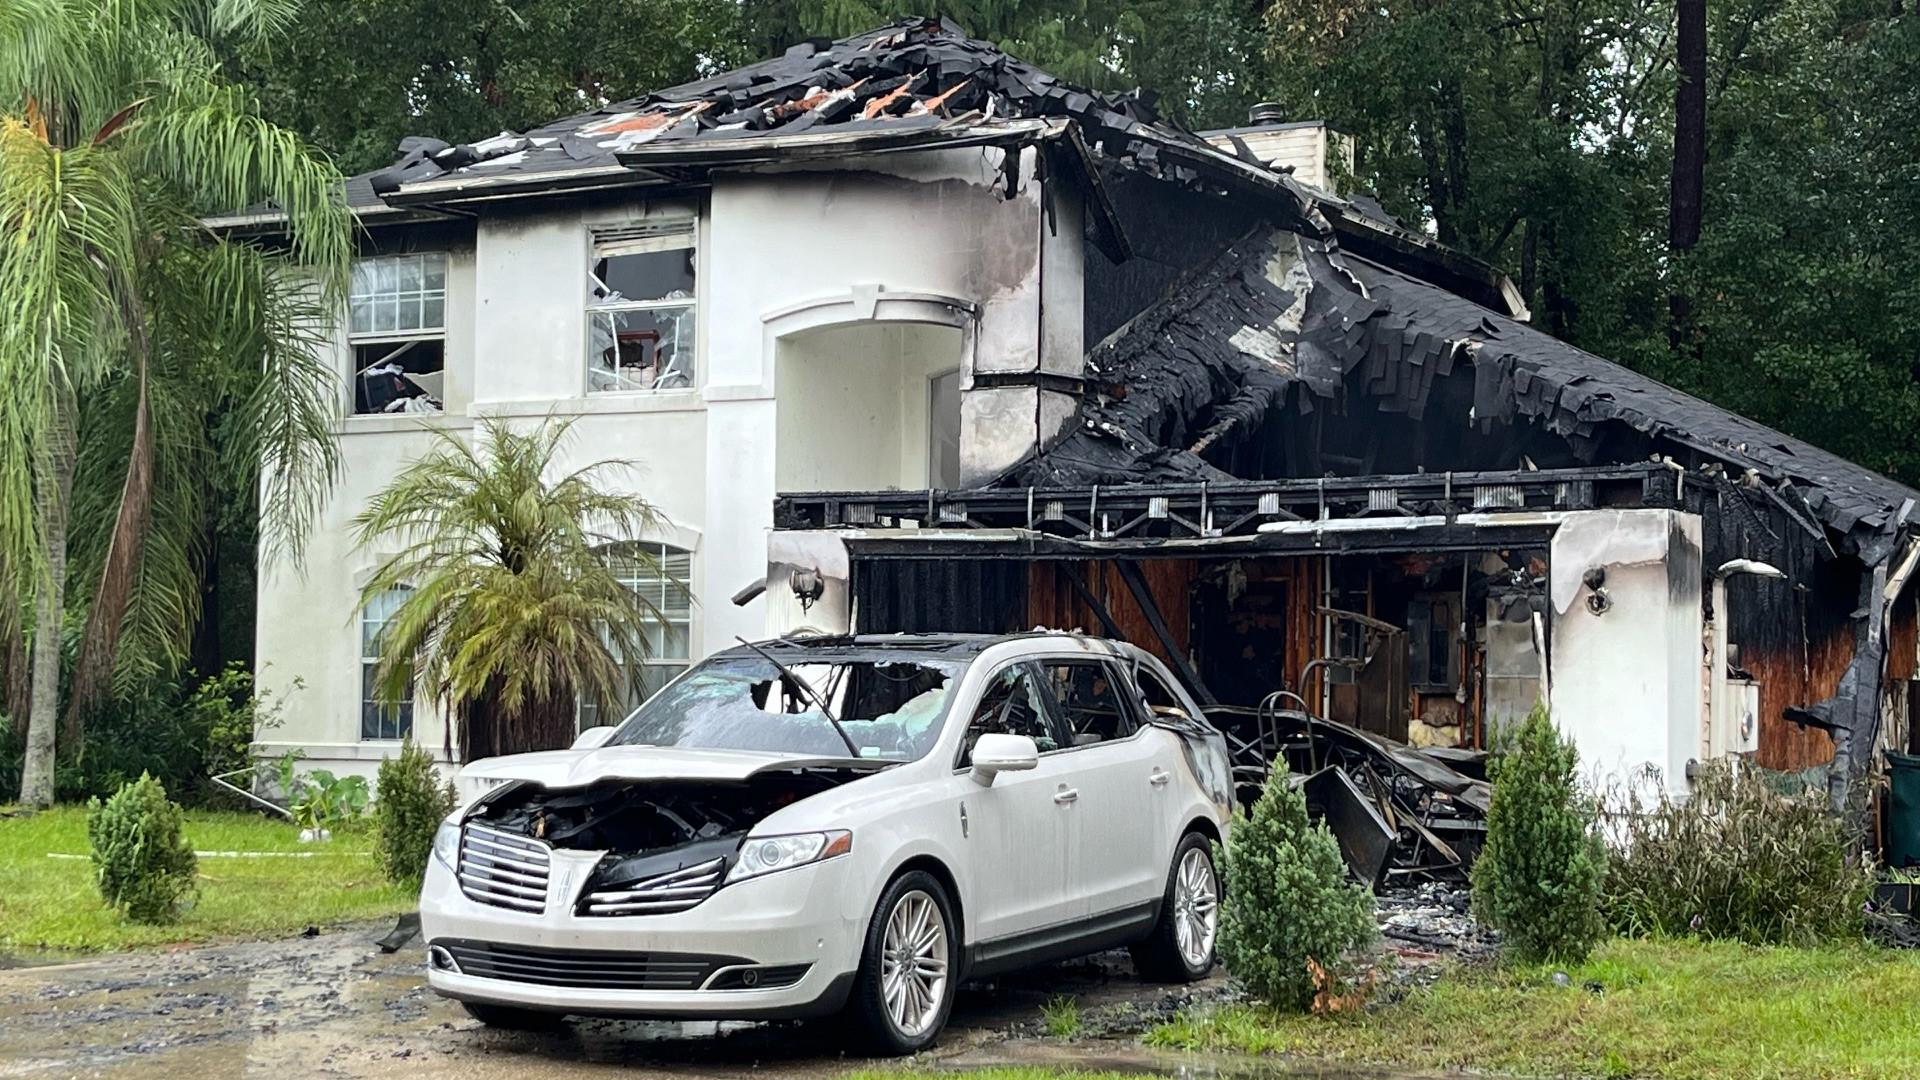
{"x":606,"y":241}
{"x":652,"y":663}
{"x":438,"y":333}
{"x":403,"y":711}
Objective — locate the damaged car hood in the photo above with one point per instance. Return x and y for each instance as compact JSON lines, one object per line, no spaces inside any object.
{"x":578,"y":768}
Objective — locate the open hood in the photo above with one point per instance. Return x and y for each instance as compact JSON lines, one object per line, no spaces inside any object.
{"x":555,"y":769}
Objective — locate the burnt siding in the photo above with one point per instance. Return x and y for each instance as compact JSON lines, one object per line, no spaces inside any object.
{"x":1172,"y":231}
{"x":930,"y":596}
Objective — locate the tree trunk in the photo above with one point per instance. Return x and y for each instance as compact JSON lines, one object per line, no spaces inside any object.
{"x":1689,"y":149}
{"x":53,"y":494}
{"x":486,"y":729}
{"x":107,"y":617}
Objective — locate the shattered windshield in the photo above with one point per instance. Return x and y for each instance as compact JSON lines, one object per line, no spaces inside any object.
{"x":890,"y":708}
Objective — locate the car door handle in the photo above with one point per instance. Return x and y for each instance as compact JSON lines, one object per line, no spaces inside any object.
{"x":1065,"y":795}
{"x":1159,"y":777}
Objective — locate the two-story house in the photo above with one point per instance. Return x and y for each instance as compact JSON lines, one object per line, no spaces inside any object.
{"x":806,"y":274}
{"x":906,"y":334}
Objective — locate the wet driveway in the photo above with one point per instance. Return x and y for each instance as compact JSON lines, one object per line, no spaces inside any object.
{"x":333,"y":1005}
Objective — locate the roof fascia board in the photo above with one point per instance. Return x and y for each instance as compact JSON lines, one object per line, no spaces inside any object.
{"x":772,"y":149}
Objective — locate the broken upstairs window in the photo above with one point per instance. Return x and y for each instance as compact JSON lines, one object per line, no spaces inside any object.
{"x":397,"y":328}
{"x":640,"y":308}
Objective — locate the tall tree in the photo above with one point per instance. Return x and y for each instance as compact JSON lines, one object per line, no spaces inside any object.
{"x":115,"y":131}
{"x":514,"y":611}
{"x":361,"y":74}
{"x":1689,"y":145}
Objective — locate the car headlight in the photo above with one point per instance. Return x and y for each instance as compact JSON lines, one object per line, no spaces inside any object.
{"x":765,"y":854}
{"x":446,"y":843}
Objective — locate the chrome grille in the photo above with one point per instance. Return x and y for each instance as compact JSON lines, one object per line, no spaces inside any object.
{"x":661,"y":895}
{"x":503,"y":869}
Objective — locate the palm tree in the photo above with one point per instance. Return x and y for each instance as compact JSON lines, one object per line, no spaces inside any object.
{"x":118,"y":314}
{"x":513,"y":611}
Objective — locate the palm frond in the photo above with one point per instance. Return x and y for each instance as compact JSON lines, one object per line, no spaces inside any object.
{"x":515,"y":607}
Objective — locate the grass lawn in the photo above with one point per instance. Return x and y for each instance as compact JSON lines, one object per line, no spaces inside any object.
{"x":52,"y":903}
{"x":1664,"y":1009}
{"x":1004,"y":1072}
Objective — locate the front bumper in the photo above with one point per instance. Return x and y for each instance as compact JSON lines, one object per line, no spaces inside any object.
{"x":810,"y":915}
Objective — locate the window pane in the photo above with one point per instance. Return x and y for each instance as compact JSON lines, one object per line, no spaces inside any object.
{"x":386,"y":314}
{"x":435,"y":273}
{"x":361,"y":320}
{"x":1011,"y":706}
{"x":641,"y":350}
{"x":434,"y":312}
{"x":398,"y":293}
{"x":408,"y":271}
{"x":1089,"y":698}
{"x":943,"y":430}
{"x":383,"y":275}
{"x":652,"y":275}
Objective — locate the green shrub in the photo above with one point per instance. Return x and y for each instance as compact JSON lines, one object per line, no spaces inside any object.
{"x":1735,"y":860}
{"x":141,"y":859}
{"x":412,"y":802}
{"x":1538,"y":879}
{"x":1288,"y":900}
{"x":180,"y":731}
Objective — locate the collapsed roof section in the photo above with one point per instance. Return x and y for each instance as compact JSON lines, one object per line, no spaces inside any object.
{"x":916,"y":83}
{"x":1277,"y":319}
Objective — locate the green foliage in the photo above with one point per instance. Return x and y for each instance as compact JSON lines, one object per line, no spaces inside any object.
{"x":514,"y":610}
{"x":181,"y":736}
{"x":413,"y":801}
{"x":141,"y":859}
{"x":321,"y":800}
{"x":1288,"y":900}
{"x":1538,"y":878}
{"x":359,"y":75}
{"x":1735,"y":860}
{"x":1061,"y":1016}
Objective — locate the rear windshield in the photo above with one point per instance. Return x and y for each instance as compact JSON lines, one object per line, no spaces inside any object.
{"x":889,"y":709}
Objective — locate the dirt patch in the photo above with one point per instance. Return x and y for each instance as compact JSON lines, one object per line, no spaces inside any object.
{"x":334,"y":1006}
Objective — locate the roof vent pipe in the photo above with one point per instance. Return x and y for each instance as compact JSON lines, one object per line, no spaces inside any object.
{"x":1267,"y":112}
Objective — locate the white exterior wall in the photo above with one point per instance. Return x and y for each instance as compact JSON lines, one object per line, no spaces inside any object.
{"x":1625,"y":682}
{"x":926,"y":242}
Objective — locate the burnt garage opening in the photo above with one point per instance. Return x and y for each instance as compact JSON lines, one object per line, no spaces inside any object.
{"x":1436,"y":649}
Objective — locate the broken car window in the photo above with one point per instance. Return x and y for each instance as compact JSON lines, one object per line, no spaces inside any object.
{"x":640,"y":313}
{"x":1089,"y":696}
{"x":396,"y":326}
{"x":1010,"y":705}
{"x":891,"y":709}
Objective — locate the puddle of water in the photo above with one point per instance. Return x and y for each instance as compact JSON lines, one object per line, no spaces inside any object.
{"x":32,"y":958}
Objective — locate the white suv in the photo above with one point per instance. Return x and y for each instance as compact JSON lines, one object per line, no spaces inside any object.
{"x":799,"y":827}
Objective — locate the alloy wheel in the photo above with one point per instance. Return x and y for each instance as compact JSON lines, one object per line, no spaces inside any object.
{"x":1196,"y":908}
{"x":913,"y":968}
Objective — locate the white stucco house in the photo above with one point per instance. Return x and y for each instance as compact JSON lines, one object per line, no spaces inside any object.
{"x":905,"y":334}
{"x":874,"y":307}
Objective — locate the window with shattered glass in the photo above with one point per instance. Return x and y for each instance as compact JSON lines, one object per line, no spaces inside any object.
{"x":397,"y":329}
{"x":640,"y":308}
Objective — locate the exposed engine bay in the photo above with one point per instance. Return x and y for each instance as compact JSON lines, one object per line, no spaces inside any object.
{"x":669,"y":843}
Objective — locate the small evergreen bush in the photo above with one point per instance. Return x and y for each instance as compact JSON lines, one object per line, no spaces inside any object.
{"x":141,"y":858}
{"x":1735,"y":860}
{"x":412,"y":801}
{"x":1538,"y":879}
{"x":1288,"y":900}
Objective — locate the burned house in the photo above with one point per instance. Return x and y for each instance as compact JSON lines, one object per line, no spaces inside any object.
{"x":906,"y":334}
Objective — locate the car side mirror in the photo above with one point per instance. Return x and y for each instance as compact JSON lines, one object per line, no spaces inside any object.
{"x":996,"y":753}
{"x":593,"y":738}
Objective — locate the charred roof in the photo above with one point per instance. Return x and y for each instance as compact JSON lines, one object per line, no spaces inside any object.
{"x":1277,"y":321}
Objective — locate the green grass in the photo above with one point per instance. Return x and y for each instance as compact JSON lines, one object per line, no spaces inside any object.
{"x":1674,"y":1010}
{"x":52,"y":903}
{"x":995,"y":1073}
{"x":1004,"y":1072}
{"x":1062,"y":1017}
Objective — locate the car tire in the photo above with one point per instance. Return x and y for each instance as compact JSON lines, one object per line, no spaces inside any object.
{"x":1180,"y":949}
{"x":902,"y":1009}
{"x":512,"y":1019}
